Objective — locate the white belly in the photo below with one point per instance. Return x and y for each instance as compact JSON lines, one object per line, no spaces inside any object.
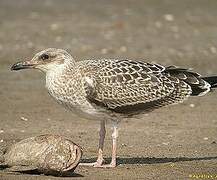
{"x":81,"y":108}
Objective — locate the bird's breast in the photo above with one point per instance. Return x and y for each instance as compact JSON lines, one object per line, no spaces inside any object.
{"x":71,"y":94}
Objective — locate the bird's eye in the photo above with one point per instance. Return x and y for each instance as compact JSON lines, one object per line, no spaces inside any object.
{"x":44,"y":56}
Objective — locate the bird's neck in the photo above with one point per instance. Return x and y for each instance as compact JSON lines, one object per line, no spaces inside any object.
{"x":56,"y":76}
{"x":64,"y":84}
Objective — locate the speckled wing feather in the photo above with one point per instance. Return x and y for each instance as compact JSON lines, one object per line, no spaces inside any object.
{"x":125,"y":84}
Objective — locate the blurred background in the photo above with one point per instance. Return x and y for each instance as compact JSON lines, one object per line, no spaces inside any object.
{"x":168,"y":32}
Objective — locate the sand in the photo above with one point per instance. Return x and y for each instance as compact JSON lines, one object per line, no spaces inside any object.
{"x":176,"y":142}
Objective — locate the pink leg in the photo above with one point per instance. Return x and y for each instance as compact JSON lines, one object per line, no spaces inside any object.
{"x":114,"y":147}
{"x":102,"y":133}
{"x":114,"y":144}
{"x":100,"y":159}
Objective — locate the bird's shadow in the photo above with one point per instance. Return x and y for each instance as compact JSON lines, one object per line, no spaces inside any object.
{"x":150,"y":160}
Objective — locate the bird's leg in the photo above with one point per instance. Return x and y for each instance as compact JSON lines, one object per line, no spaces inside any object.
{"x":114,"y":144}
{"x":102,"y":133}
{"x":114,"y":147}
{"x":100,"y":159}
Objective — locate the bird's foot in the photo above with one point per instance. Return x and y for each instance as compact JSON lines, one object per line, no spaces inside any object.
{"x":111,"y":165}
{"x":99,"y":164}
{"x":95,"y":164}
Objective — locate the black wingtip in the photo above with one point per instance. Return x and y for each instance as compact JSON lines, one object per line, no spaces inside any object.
{"x":212,"y":80}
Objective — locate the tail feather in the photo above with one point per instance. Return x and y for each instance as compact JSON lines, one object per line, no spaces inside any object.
{"x":212,"y":80}
{"x":199,"y":85}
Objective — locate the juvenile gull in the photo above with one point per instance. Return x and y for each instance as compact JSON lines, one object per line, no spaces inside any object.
{"x":111,"y":89}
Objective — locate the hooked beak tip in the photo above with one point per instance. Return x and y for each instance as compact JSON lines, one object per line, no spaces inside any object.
{"x":16,"y":66}
{"x":20,"y":65}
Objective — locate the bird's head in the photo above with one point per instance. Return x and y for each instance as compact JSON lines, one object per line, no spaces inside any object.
{"x":46,"y":60}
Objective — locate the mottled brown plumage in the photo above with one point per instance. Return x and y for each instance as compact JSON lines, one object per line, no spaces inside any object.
{"x":112,"y":89}
{"x":126,"y":86}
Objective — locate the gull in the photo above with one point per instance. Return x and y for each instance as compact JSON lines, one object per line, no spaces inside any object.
{"x":113,"y":89}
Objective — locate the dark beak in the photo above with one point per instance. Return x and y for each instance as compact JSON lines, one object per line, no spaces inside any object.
{"x":22,"y":65}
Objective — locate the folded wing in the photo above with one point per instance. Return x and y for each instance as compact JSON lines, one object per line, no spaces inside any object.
{"x":124,"y":84}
